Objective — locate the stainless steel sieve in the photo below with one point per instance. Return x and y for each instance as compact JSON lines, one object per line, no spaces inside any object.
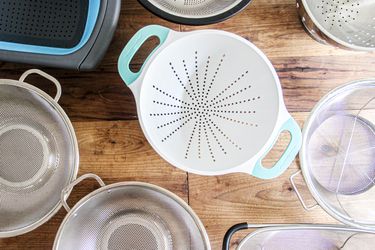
{"x":195,"y":12}
{"x":129,"y":216}
{"x":38,"y":155}
{"x":338,"y":154}
{"x":347,"y":24}
{"x":301,"y":236}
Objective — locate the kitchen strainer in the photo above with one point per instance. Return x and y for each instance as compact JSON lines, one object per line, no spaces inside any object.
{"x":301,"y":236}
{"x":130,"y":216}
{"x":195,"y":12}
{"x":345,"y":23}
{"x":210,"y":102}
{"x":338,"y":153}
{"x":38,"y":155}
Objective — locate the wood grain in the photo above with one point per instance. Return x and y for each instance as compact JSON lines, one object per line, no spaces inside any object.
{"x":113,"y":146}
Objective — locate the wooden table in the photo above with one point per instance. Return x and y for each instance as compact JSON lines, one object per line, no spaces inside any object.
{"x":112,"y":145}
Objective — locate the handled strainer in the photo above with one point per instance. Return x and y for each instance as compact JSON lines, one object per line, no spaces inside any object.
{"x":338,"y":154}
{"x":129,"y":216}
{"x":195,"y":12}
{"x":348,"y":24}
{"x":301,"y":236}
{"x":210,"y":102}
{"x":38,"y":155}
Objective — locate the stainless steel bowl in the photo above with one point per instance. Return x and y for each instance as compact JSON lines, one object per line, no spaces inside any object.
{"x":38,"y":155}
{"x":127,"y":216}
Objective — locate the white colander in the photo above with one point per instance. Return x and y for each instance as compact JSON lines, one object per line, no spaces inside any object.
{"x":209,"y":102}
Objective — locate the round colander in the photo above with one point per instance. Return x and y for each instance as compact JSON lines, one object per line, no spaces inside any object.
{"x":130,"y":216}
{"x":209,"y":102}
{"x":345,"y":23}
{"x":195,"y":12}
{"x":38,"y":155}
{"x":338,"y":154}
{"x":300,"y":236}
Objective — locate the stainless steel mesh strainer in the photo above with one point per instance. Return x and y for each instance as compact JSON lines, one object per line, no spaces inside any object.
{"x":338,"y":154}
{"x":195,"y":12}
{"x":345,"y":23}
{"x":38,"y":155}
{"x":130,"y":216}
{"x":301,"y":236}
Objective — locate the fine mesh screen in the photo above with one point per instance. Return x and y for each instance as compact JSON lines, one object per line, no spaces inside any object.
{"x":195,"y":8}
{"x":37,"y":157}
{"x":22,"y":155}
{"x":132,"y":231}
{"x":53,"y":23}
{"x":339,"y":152}
{"x":130,"y":217}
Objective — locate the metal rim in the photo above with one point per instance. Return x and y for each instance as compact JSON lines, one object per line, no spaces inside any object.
{"x":336,"y":39}
{"x":92,"y":195}
{"x":195,"y":21}
{"x":73,"y":138}
{"x":282,"y":227}
{"x":302,"y":155}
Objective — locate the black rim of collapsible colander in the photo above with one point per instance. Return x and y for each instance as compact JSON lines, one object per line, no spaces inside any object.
{"x":195,"y":21}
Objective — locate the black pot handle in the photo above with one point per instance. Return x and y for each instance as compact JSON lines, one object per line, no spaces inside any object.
{"x":228,"y":235}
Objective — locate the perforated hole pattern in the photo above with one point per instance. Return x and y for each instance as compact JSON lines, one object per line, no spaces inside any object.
{"x":53,"y":23}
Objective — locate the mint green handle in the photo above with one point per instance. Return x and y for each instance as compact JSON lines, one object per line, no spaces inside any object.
{"x":133,"y":46}
{"x":288,"y":156}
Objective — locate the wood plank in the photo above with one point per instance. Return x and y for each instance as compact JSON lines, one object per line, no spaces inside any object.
{"x":116,"y":151}
{"x":223,"y":201}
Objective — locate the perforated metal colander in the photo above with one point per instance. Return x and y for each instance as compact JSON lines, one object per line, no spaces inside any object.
{"x":345,"y":23}
{"x":38,"y":155}
{"x":195,"y":12}
{"x":130,"y":216}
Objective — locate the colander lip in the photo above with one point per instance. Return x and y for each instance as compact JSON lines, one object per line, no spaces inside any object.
{"x":259,"y":228}
{"x":330,"y":35}
{"x":196,"y":21}
{"x":125,"y":184}
{"x":245,"y":167}
{"x":69,"y":126}
{"x":303,"y":156}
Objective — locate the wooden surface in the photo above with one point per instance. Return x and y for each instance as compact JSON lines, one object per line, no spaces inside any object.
{"x":112,"y":145}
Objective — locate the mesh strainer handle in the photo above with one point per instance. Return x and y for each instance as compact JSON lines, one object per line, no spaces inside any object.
{"x":134,"y":45}
{"x":45,"y":75}
{"x":66,"y":191}
{"x":288,"y":156}
{"x":299,"y":196}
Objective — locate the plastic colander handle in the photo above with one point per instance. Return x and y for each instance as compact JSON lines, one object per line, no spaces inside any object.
{"x":133,"y":46}
{"x":288,"y":156}
{"x":66,"y":191}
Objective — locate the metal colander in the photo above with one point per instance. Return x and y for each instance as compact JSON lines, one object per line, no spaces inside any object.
{"x":301,"y":236}
{"x":346,"y":23}
{"x":195,"y":12}
{"x":338,"y":153}
{"x":38,"y":155}
{"x":130,"y":216}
